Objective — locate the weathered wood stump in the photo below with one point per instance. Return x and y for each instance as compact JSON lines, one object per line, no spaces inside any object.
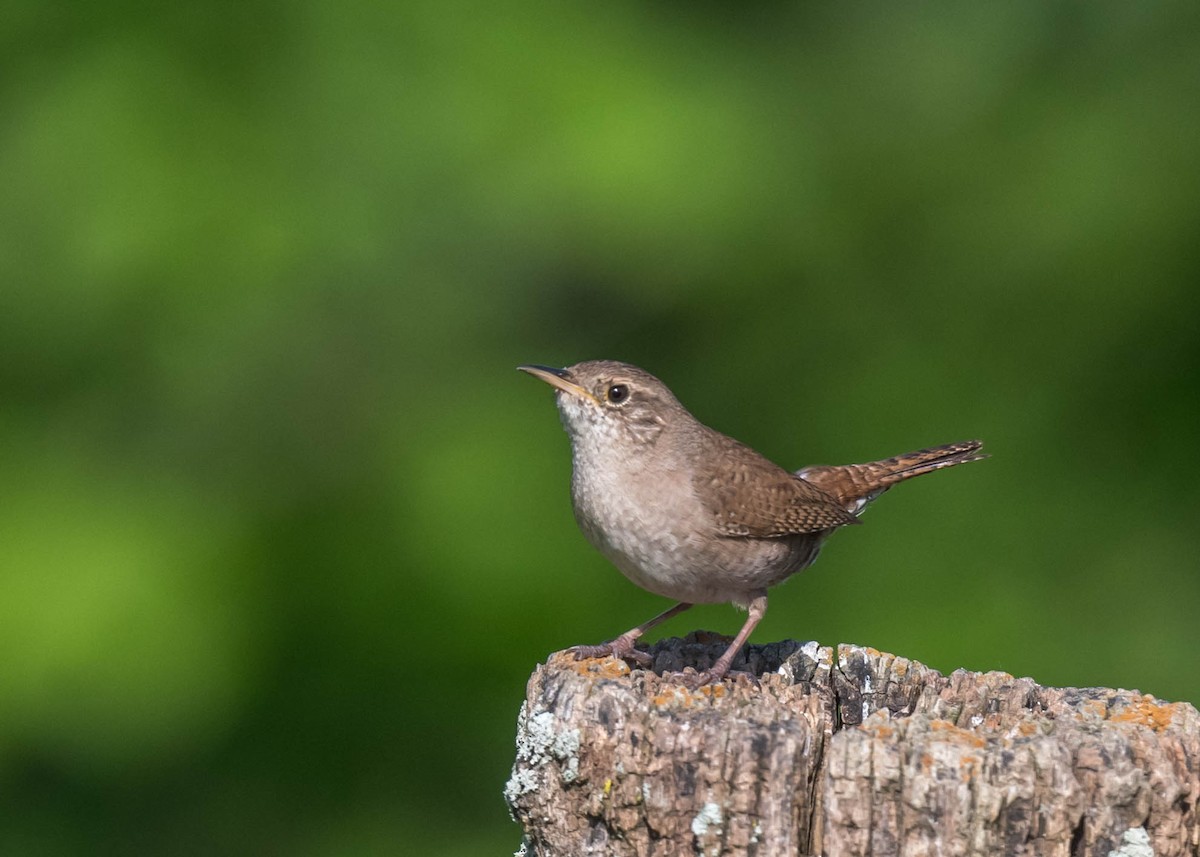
{"x":846,"y":752}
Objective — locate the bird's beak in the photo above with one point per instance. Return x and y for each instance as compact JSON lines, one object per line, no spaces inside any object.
{"x":559,"y":379}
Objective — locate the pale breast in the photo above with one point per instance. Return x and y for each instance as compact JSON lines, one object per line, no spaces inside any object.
{"x":649,"y":524}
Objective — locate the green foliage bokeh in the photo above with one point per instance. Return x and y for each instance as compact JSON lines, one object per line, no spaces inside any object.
{"x":282,"y":533}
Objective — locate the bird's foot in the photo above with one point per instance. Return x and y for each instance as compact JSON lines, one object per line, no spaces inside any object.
{"x":621,"y":648}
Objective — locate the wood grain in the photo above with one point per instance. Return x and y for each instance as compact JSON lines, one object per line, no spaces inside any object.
{"x":847,"y":751}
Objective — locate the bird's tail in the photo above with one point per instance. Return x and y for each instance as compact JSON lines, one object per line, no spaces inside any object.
{"x":855,"y":485}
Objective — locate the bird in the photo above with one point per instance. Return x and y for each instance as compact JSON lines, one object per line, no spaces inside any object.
{"x":693,"y":515}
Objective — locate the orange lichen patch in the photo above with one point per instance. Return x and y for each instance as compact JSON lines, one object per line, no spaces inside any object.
{"x":673,"y":695}
{"x":1027,"y":728}
{"x":679,"y":695}
{"x":1148,"y":712}
{"x":607,"y":667}
{"x":956,"y":732}
{"x":878,"y":724}
{"x":926,"y":762}
{"x":1094,"y":707}
{"x":966,"y":767}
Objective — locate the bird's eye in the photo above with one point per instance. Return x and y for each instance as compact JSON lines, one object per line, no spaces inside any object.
{"x":617,"y":393}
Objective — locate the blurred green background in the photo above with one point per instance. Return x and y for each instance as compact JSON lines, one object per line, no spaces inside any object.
{"x":282,"y":532}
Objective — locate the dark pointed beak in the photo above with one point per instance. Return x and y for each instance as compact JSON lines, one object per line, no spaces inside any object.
{"x":558,"y":378}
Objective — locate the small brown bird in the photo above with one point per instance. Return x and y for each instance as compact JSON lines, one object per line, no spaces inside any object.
{"x":693,"y":515}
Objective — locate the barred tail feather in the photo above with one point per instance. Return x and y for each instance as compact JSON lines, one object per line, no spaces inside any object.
{"x":855,"y":485}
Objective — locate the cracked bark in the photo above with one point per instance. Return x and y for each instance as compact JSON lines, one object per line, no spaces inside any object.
{"x":846,"y":751}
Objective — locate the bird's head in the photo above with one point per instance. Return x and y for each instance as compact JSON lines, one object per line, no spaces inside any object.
{"x":605,"y":399}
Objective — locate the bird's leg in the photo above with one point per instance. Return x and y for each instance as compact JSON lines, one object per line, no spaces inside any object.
{"x":622,"y":646}
{"x":757,"y":609}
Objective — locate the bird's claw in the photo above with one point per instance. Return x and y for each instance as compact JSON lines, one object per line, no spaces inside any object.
{"x":620,"y":648}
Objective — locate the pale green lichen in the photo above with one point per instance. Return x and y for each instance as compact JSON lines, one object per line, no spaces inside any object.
{"x":539,"y":741}
{"x":1135,"y":842}
{"x":709,"y":816}
{"x":521,"y":782}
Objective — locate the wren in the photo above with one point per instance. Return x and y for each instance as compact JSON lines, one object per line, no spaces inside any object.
{"x":692,"y":514}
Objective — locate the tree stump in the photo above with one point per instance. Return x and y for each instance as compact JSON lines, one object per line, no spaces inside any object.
{"x":845,"y":752}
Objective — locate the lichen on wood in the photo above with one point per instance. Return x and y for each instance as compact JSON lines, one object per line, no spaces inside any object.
{"x":845,"y":751}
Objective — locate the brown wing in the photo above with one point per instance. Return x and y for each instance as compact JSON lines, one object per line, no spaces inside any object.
{"x":750,"y":496}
